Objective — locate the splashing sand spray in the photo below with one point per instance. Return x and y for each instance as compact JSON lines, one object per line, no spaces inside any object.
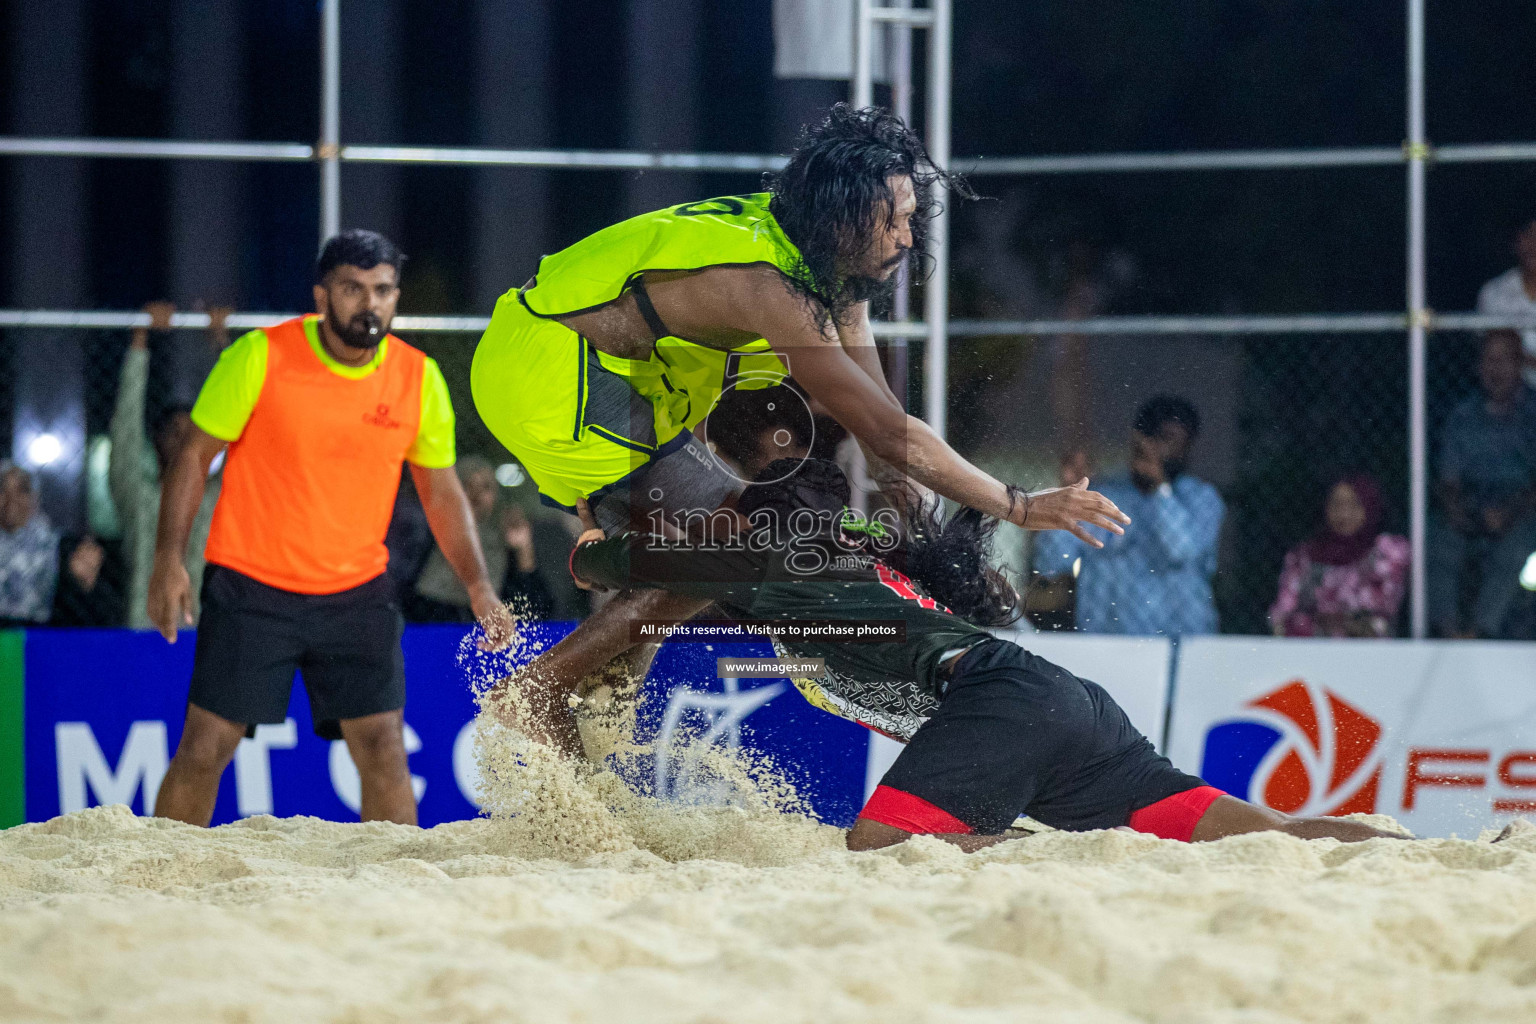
{"x":554,"y":806}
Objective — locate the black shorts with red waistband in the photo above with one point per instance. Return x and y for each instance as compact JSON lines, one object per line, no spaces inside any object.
{"x":1016,"y":734}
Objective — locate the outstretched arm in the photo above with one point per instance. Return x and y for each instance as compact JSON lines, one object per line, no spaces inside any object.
{"x":125,"y":469}
{"x":857,"y":337}
{"x":858,"y":340}
{"x":868,"y":410}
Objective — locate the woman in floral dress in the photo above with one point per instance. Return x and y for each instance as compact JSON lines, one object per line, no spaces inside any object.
{"x":1349,"y":579}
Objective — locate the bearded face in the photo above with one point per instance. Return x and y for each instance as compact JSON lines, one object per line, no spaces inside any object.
{"x":362,"y":331}
{"x":358,"y":304}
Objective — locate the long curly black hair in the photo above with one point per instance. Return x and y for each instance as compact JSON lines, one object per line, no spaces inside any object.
{"x":831,"y":196}
{"x":951,"y":559}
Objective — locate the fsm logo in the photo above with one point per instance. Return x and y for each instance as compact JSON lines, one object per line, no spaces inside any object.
{"x":1299,"y":749}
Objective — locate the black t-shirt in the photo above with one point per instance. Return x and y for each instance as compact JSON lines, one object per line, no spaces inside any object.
{"x":889,"y":686}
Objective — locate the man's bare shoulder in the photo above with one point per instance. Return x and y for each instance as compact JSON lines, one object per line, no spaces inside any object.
{"x":756,"y":298}
{"x":759,"y":281}
{"x":764,"y":295}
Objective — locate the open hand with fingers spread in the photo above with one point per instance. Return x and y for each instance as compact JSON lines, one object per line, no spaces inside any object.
{"x":1068,"y":508}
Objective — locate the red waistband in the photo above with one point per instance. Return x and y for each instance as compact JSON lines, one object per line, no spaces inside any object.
{"x":909,"y":813}
{"x":1175,"y":817}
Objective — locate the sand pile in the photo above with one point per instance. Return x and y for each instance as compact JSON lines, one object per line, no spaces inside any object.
{"x":757,"y":917}
{"x":580,"y":900}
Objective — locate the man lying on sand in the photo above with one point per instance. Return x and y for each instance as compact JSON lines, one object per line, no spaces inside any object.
{"x":991,"y":731}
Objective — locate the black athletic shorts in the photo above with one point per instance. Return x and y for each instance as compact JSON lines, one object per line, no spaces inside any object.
{"x":251,"y":638}
{"x":1015,"y":735}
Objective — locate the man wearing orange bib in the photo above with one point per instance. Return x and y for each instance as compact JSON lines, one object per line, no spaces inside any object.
{"x":318,"y":413}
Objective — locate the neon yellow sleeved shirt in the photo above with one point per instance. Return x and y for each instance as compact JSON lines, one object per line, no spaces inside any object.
{"x":434,"y":444}
{"x":228,"y":397}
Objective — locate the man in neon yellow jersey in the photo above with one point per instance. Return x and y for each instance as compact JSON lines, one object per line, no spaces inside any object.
{"x":596,"y":372}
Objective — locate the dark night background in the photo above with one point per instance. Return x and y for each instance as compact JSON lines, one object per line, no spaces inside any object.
{"x":1046,"y":77}
{"x":1041,"y":77}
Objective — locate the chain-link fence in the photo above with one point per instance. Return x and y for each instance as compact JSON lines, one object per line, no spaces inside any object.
{"x":1283,"y":420}
{"x":93,"y":418}
{"x":1312,"y":228}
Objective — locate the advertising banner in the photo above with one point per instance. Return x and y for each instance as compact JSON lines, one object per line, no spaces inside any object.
{"x":13,"y":803}
{"x":103,"y":712}
{"x":1440,"y":735}
{"x":1134,"y":669}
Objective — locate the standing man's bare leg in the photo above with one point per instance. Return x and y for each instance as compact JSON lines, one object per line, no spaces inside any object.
{"x":191,"y":784}
{"x":377,"y":745}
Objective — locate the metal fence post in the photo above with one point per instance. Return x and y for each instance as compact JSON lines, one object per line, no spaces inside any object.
{"x":936,"y":290}
{"x":1418,"y":319}
{"x":329,"y":150}
{"x":863,"y":54}
{"x":896,"y":371}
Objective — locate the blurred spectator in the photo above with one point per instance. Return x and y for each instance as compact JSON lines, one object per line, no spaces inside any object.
{"x":29,"y":551}
{"x":1513,"y":294}
{"x":525,"y":587}
{"x":507,"y":540}
{"x":140,"y":457}
{"x":1349,"y":579}
{"x":410,"y":544}
{"x":87,"y":595}
{"x":1049,"y":604}
{"x":1487,"y":496}
{"x":1156,"y":579}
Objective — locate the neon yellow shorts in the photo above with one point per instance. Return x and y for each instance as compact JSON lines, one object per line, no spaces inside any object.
{"x":576,"y":418}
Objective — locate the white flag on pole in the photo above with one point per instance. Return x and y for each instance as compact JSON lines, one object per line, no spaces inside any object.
{"x":815,"y":39}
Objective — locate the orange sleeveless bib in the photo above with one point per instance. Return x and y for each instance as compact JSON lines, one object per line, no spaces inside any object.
{"x":310,"y":485}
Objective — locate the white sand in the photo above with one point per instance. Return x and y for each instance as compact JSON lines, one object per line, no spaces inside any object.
{"x":744,"y":916}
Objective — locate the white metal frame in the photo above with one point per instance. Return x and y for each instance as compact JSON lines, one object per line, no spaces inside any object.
{"x":1416,"y":153}
{"x":936,"y":19}
{"x":1416,"y":149}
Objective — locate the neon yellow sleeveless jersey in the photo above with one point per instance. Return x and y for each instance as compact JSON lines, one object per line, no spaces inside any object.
{"x":581,"y":420}
{"x":727,"y":231}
